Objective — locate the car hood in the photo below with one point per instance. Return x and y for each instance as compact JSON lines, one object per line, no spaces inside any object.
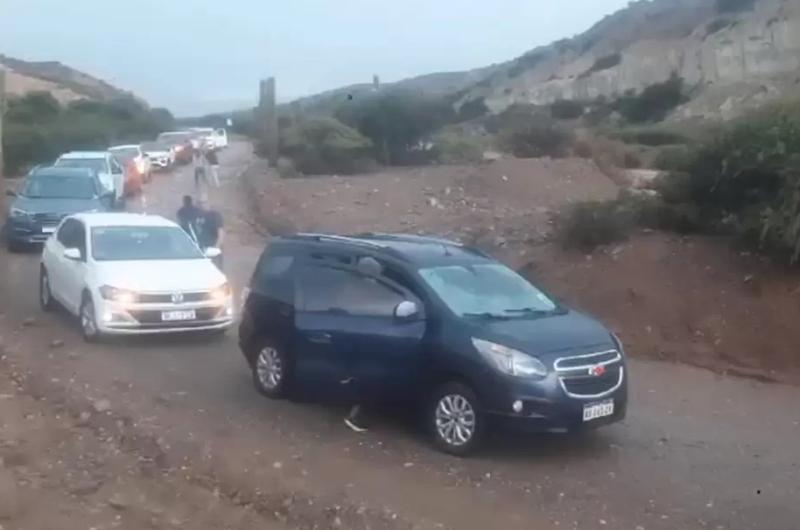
{"x":160,"y":275}
{"x":547,"y":337}
{"x":56,"y":206}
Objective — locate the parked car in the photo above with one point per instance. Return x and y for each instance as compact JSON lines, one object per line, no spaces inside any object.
{"x":46,"y":196}
{"x":180,"y":143}
{"x":133,"y":154}
{"x":108,"y":169}
{"x":123,"y":273}
{"x":212,"y":138}
{"x":160,"y":154}
{"x":427,"y":321}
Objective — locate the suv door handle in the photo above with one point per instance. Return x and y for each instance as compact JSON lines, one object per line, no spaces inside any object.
{"x":320,"y":338}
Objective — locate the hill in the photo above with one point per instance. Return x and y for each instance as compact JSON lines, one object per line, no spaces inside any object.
{"x":63,"y":82}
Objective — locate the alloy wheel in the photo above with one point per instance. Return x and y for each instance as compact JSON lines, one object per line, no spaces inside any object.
{"x":455,"y":420}
{"x":269,"y":367}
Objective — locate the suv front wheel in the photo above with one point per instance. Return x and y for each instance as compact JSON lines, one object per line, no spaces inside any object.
{"x":271,"y":369}
{"x":455,"y":419}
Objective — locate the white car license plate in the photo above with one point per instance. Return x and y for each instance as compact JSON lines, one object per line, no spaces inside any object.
{"x":48,"y":229}
{"x":594,"y":411}
{"x":173,"y":316}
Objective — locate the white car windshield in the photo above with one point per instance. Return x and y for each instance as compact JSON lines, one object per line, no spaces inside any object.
{"x":486,"y":289}
{"x":126,"y":153}
{"x":97,"y":164}
{"x":133,"y":243}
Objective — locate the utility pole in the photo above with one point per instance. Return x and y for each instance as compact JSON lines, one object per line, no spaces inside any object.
{"x":269,"y":120}
{"x":2,"y":165}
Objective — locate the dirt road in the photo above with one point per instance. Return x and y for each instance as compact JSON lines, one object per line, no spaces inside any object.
{"x":697,"y":450}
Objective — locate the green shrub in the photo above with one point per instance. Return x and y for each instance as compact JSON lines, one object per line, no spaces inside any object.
{"x":565,"y":109}
{"x":603,"y":63}
{"x":474,"y":108}
{"x":650,"y":136}
{"x":325,"y":145}
{"x":38,"y":128}
{"x":590,"y":224}
{"x":397,"y":123}
{"x":672,"y":158}
{"x":455,"y":146}
{"x":654,"y":103}
{"x":536,"y":138}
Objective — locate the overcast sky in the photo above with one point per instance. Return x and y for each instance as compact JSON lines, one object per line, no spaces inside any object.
{"x":196,"y":56}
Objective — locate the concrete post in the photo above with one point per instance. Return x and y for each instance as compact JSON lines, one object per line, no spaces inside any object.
{"x":269,"y":120}
{"x":2,"y":160}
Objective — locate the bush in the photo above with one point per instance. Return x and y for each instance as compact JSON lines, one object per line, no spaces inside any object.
{"x":38,"y":128}
{"x":534,"y":139}
{"x":474,"y":108}
{"x":654,"y":103}
{"x":325,"y":145}
{"x":734,"y":6}
{"x":397,"y":123}
{"x":672,"y":158}
{"x":455,"y":146}
{"x":650,"y":136}
{"x":590,"y":224}
{"x":565,"y":109}
{"x":603,"y":63}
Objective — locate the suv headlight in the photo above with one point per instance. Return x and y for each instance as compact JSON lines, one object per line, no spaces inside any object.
{"x":123,"y":296}
{"x":16,"y":213}
{"x":510,"y":361}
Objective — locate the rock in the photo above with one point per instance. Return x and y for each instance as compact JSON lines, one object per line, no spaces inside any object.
{"x":56,"y":343}
{"x":28,"y":322}
{"x":84,"y":417}
{"x":9,"y":496}
{"x":118,"y":502}
{"x":277,"y":465}
{"x":101,"y":405}
{"x":84,"y":486}
{"x":433,"y":202}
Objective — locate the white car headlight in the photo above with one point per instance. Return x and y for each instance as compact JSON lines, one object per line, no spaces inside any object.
{"x":510,"y":361}
{"x":123,"y":296}
{"x":221,"y":293}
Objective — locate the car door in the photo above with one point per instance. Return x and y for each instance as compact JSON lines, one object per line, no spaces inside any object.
{"x":320,"y":353}
{"x":117,"y":177}
{"x":385,"y":351}
{"x":74,"y":270}
{"x":58,"y":266}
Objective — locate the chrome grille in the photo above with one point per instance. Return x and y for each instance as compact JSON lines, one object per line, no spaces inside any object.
{"x":590,"y":376}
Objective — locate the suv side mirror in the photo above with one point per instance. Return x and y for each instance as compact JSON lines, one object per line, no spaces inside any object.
{"x":406,"y":310}
{"x":73,"y":254}
{"x":11,"y":193}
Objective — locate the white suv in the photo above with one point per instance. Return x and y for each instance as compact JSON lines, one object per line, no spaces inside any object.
{"x":109,"y":171}
{"x":123,"y":273}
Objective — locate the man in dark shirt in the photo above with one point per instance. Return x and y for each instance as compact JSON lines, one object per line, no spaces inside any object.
{"x":187,"y":215}
{"x":209,"y":229}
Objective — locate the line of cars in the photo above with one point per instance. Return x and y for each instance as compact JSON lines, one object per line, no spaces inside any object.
{"x":81,"y":181}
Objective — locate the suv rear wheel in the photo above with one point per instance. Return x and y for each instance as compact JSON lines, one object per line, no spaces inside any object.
{"x":455,"y":419}
{"x":45,"y":295}
{"x":271,"y":369}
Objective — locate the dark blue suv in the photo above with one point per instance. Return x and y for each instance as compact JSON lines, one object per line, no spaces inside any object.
{"x":47,"y":196}
{"x":378,"y":317}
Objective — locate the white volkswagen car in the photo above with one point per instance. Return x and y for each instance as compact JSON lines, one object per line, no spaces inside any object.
{"x":124,"y":273}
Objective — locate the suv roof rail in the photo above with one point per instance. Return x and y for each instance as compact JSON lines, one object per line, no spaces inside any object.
{"x":411,"y":238}
{"x":337,"y":239}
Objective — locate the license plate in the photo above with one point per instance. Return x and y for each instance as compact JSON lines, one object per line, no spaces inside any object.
{"x":172,"y":316}
{"x":594,"y":411}
{"x":48,"y":229}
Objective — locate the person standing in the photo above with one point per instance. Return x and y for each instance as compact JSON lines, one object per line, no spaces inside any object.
{"x":213,"y":162}
{"x":187,"y":216}
{"x":209,"y":229}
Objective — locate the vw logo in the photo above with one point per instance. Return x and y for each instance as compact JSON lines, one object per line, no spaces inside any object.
{"x":177,"y":298}
{"x":597,"y":370}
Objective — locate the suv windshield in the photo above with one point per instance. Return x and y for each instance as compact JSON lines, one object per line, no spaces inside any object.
{"x":59,"y":187}
{"x":96,"y":164}
{"x":487,"y":289}
{"x":121,"y":243}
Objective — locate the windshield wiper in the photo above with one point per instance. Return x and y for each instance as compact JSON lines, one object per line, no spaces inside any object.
{"x":487,"y":316}
{"x":533,"y":311}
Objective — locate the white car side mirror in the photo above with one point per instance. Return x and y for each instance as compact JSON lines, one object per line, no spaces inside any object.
{"x":72,"y":254}
{"x":405,"y":310}
{"x":213,"y":252}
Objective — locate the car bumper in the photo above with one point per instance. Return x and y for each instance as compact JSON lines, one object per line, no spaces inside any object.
{"x":160,"y":162}
{"x":548,"y":406}
{"x":147,"y":319}
{"x":28,"y":233}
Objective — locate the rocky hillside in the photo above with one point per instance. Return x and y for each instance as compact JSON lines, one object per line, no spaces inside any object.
{"x":65,"y":83}
{"x":731,"y":53}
